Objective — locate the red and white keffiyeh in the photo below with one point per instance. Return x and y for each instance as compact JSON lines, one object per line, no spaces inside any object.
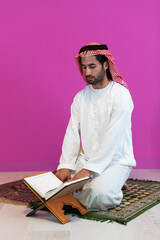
{"x":116,"y":76}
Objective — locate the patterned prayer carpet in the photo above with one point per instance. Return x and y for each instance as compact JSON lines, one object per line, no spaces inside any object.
{"x":140,"y":196}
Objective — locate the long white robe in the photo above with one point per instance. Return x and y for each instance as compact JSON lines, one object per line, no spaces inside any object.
{"x":101,"y":121}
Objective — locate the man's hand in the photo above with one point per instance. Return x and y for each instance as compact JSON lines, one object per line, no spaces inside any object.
{"x":81,"y":174}
{"x":63,"y":174}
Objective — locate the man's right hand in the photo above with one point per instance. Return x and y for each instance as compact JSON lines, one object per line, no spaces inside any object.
{"x":63,"y":174}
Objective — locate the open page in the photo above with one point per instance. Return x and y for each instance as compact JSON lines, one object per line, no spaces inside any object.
{"x":43,"y":183}
{"x":67,"y":188}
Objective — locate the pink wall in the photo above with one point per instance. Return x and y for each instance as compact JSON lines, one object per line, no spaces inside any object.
{"x":39,"y":78}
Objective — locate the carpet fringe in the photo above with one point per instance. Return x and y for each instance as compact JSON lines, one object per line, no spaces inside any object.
{"x":8,"y":201}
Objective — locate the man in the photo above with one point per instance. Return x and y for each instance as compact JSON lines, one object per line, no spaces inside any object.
{"x":100,"y":125}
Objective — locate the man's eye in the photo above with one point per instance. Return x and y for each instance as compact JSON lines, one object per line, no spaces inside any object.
{"x":92,"y":67}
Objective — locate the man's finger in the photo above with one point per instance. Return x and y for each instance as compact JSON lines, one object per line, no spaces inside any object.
{"x":68,"y":178}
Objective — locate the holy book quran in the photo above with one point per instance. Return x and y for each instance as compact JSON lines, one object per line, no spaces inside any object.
{"x":47,"y":185}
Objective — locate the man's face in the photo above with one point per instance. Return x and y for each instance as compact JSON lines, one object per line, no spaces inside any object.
{"x":92,"y":69}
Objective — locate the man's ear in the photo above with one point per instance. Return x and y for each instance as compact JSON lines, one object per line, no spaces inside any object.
{"x":105,"y":64}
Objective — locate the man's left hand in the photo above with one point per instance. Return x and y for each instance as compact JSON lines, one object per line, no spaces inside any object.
{"x":81,"y":174}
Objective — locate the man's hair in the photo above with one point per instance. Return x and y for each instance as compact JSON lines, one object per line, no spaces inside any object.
{"x":102,"y":59}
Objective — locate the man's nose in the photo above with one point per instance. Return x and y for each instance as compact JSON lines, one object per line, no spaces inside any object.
{"x":88,"y":71}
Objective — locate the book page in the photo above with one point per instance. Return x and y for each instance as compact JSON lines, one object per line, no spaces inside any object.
{"x":67,"y":188}
{"x":74,"y":181}
{"x":42,"y":183}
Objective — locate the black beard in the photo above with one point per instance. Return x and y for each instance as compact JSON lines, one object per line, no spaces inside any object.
{"x":97,"y":79}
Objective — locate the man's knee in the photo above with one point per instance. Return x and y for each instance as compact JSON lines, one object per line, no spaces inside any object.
{"x":104,"y":197}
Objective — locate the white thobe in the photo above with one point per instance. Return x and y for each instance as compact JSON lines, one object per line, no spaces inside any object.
{"x":101,"y":122}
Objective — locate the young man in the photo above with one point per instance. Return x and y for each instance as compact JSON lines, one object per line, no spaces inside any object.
{"x":101,"y":122}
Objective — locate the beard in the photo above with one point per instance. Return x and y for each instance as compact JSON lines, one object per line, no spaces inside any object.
{"x":99,"y":78}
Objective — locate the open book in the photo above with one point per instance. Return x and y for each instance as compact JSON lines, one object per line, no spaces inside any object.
{"x":47,"y":185}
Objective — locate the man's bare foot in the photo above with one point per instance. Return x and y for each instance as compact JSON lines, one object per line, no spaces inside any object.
{"x":125,"y":187}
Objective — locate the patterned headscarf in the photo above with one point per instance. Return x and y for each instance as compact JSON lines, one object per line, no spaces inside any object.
{"x":100,"y":49}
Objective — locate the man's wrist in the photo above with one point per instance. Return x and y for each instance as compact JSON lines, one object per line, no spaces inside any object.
{"x":91,"y":173}
{"x":86,"y":170}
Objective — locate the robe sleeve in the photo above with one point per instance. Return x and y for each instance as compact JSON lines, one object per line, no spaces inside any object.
{"x":71,"y":142}
{"x":119,"y":121}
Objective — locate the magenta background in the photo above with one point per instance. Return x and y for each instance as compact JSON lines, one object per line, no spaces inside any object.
{"x":39,"y":78}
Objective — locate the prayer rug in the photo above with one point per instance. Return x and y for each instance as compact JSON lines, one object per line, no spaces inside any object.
{"x":141,"y":196}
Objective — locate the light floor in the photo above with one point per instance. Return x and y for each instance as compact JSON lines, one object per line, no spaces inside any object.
{"x":44,"y":226}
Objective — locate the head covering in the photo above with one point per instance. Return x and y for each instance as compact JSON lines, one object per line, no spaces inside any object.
{"x":100,"y":49}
